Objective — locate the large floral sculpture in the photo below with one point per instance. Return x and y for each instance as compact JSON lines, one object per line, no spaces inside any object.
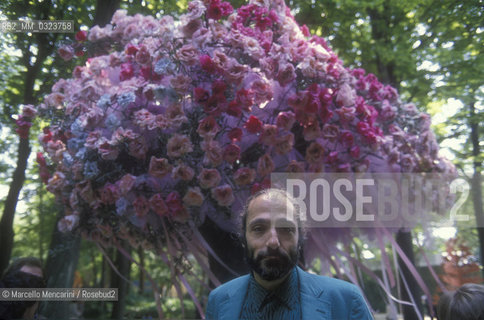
{"x":171,"y":122}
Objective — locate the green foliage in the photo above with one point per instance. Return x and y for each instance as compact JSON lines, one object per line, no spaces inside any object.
{"x":34,"y":222}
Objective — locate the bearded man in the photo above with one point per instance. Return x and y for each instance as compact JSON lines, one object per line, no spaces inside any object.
{"x":272,"y":234}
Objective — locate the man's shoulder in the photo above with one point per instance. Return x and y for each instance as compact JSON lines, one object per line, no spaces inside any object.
{"x":328,"y":283}
{"x":231,"y":286}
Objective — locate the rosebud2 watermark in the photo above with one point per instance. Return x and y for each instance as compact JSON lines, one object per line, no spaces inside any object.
{"x":58,"y":294}
{"x":372,"y":200}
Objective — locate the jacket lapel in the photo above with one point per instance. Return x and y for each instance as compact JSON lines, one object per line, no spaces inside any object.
{"x":313,"y":303}
{"x":231,"y":305}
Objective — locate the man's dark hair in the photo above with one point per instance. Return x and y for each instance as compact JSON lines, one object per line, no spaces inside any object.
{"x":17,"y":264}
{"x":272,"y":192}
{"x":466,"y":303}
{"x":14,"y":278}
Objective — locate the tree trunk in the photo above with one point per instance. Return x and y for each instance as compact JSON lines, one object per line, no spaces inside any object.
{"x":476,"y":184}
{"x":104,"y":11}
{"x":61,"y":265}
{"x":123,"y":265}
{"x":141,"y":255}
{"x":6,"y":223}
{"x":404,"y":240}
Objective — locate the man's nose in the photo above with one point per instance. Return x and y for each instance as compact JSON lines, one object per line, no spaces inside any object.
{"x":273,"y":241}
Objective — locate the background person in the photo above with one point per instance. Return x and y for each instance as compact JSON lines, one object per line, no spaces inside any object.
{"x":466,"y":303}
{"x":22,"y":273}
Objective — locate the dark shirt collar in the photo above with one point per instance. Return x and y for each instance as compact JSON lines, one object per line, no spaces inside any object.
{"x":285,"y":294}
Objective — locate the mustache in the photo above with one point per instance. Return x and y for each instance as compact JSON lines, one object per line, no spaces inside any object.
{"x":272,"y":253}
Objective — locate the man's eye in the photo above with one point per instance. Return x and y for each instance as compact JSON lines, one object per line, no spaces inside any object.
{"x":258,"y":228}
{"x":287,"y":230}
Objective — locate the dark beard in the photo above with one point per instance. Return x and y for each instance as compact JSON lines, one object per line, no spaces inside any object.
{"x":274,"y":268}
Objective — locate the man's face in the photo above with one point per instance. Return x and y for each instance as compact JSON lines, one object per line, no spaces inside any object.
{"x":36,"y":271}
{"x":29,"y":313}
{"x":272,"y":237}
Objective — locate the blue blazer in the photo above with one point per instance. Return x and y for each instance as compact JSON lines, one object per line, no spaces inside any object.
{"x":321,"y":298}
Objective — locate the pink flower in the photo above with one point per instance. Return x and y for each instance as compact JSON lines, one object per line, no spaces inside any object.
{"x":193,"y":197}
{"x":234,"y":109}
{"x":284,"y":143}
{"x":262,"y":91}
{"x":181,"y":83}
{"x":109,"y":193}
{"x":236,"y":72}
{"x":195,"y":9}
{"x":183,"y":172}
{"x":253,"y":125}
{"x":85,"y":191}
{"x":131,"y":49}
{"x":346,"y":114}
{"x":208,"y":127}
{"x":244,"y":176}
{"x":201,"y":36}
{"x":141,"y":206}
{"x":286,"y":74}
{"x":174,"y":203}
{"x":232,"y":153}
{"x":127,"y":71}
{"x":188,"y":54}
{"x":96,"y":33}
{"x":295,"y":166}
{"x":268,"y":135}
{"x":346,"y":96}
{"x":221,"y":60}
{"x":81,"y":36}
{"x":407,"y":162}
{"x":223,"y":195}
{"x":158,"y":205}
{"x":217,"y":9}
{"x":285,"y":120}
{"x":28,"y":111}
{"x":256,"y":187}
{"x":265,"y":165}
{"x":214,"y":11}
{"x":126,"y":183}
{"x":311,"y":131}
{"x":200,"y":95}
{"x":56,"y":183}
{"x":235,"y":134}
{"x":143,"y":55}
{"x":178,"y":145}
{"x":355,"y":151}
{"x":393,"y":156}
{"x":245,"y":99}
{"x":213,"y":153}
{"x":68,"y":223}
{"x":206,"y":63}
{"x":107,"y":150}
{"x":387,"y":112}
{"x":138,"y":147}
{"x":190,"y":27}
{"x":332,"y":157}
{"x":175,"y":115}
{"x":209,"y":178}
{"x":159,"y":167}
{"x":347,"y":139}
{"x":66,"y":52}
{"x":315,"y":153}
{"x":330,"y":132}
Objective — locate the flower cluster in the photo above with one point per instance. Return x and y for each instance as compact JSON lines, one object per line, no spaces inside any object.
{"x":188,"y":118}
{"x":24,"y":121}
